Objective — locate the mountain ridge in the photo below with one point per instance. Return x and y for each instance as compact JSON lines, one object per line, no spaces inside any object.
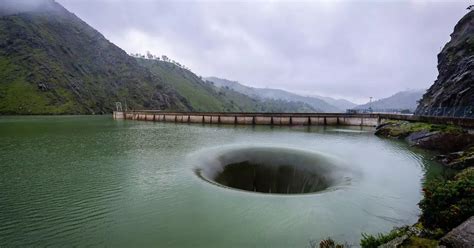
{"x":270,"y":93}
{"x":52,"y":62}
{"x":402,"y":100}
{"x":204,"y":96}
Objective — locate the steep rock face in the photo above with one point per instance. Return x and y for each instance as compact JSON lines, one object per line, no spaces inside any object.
{"x":51,"y":62}
{"x":452,"y":93}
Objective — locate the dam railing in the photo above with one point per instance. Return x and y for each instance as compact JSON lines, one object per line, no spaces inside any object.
{"x":288,"y":119}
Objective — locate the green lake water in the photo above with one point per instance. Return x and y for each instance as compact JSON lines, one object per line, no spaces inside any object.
{"x":94,"y":181}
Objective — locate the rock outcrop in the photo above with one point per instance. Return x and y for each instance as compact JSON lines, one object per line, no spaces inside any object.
{"x":452,"y":94}
{"x":441,"y":138}
{"x":458,"y":160}
{"x":461,"y":236}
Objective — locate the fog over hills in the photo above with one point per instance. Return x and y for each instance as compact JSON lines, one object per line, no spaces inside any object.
{"x":400,"y":101}
{"x":52,"y":62}
{"x":326,"y":104}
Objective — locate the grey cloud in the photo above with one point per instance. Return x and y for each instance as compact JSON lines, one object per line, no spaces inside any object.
{"x":352,"y":49}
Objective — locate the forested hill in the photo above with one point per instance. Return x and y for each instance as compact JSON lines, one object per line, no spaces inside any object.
{"x":204,"y":96}
{"x":322,"y":104}
{"x":51,"y":62}
{"x":403,"y":100}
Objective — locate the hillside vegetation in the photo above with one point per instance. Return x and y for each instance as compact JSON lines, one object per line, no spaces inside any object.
{"x":204,"y":96}
{"x":51,"y":62}
{"x":403,"y":100}
{"x":320,"y":104}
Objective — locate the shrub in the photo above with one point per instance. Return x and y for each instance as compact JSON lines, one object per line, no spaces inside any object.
{"x":446,"y":204}
{"x":326,"y":243}
{"x":421,"y":242}
{"x":373,"y":241}
{"x":329,"y":243}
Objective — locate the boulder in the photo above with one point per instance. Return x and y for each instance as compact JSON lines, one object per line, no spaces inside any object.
{"x":396,"y":242}
{"x":461,"y":236}
{"x":418,"y":137}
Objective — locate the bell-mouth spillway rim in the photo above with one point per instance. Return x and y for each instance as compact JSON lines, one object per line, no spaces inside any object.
{"x":272,"y":170}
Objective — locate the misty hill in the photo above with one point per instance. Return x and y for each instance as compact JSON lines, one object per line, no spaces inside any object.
{"x":399,"y":101}
{"x":268,"y":93}
{"x":341,"y":104}
{"x":51,"y":62}
{"x":204,"y":96}
{"x":453,"y":93}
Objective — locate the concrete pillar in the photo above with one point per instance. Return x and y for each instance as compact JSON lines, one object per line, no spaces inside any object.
{"x":227,"y":120}
{"x":262,"y":120}
{"x":215,"y":119}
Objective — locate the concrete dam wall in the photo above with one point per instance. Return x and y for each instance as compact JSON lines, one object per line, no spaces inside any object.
{"x":287,"y":119}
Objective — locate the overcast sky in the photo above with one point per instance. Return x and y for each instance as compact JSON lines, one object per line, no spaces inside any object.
{"x":348,"y":49}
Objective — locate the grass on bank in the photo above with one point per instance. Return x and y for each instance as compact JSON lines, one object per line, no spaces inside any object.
{"x":446,"y":204}
{"x":404,"y":128}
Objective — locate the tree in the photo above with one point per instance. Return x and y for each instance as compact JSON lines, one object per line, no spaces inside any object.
{"x":149,"y":55}
{"x":165,"y":58}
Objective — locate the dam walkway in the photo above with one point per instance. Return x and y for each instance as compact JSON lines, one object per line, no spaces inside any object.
{"x":288,"y":119}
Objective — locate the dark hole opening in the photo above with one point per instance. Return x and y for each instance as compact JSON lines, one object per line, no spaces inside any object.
{"x":266,"y":178}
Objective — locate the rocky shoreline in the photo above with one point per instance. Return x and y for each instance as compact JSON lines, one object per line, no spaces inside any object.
{"x":448,"y":204}
{"x":447,"y":207}
{"x":455,"y":144}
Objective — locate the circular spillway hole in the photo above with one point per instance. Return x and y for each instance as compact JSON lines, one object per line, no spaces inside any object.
{"x":272,"y":171}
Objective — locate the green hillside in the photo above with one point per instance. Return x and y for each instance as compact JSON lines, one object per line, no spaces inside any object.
{"x":51,"y":62}
{"x":200,"y":95}
{"x":204,"y":96}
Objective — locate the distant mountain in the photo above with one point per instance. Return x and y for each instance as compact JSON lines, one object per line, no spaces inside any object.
{"x":341,"y":104}
{"x":51,"y":62}
{"x":319,"y":103}
{"x":399,"y":101}
{"x":204,"y":96}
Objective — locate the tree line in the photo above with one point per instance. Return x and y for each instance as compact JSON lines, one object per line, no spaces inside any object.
{"x":164,"y":58}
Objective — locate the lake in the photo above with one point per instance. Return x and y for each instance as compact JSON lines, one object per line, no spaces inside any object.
{"x":95,"y":181}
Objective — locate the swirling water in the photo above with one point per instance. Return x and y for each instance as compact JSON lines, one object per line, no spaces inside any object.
{"x":93,"y":181}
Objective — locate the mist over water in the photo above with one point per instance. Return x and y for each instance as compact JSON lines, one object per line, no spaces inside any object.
{"x":93,"y":181}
